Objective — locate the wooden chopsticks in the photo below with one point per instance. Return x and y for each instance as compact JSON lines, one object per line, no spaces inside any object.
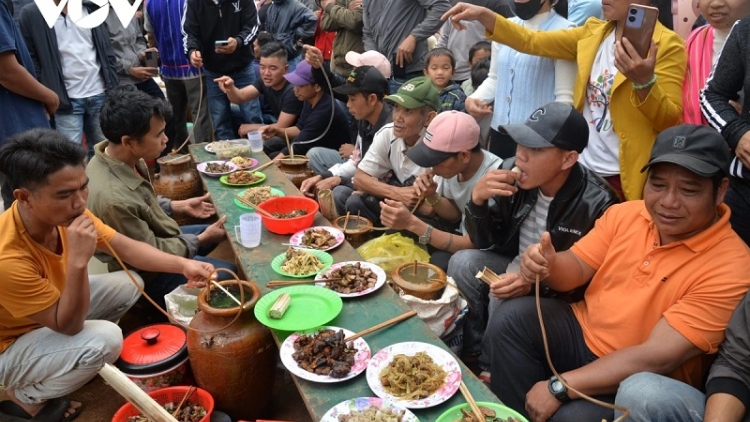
{"x":488,"y":276}
{"x":189,"y":393}
{"x":255,"y":207}
{"x":472,"y":403}
{"x":282,"y":283}
{"x":381,"y":325}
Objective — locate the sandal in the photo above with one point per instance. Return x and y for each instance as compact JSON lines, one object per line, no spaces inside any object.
{"x":53,"y":411}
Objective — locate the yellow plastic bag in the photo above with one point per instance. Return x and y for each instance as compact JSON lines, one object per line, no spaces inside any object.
{"x":391,"y":250}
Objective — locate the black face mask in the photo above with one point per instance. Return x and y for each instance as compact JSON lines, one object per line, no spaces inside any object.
{"x":528,"y":10}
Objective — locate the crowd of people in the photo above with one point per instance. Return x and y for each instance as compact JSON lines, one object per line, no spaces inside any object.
{"x":530,"y":138}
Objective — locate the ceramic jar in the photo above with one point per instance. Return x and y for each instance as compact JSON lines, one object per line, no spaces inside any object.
{"x":296,"y":169}
{"x":154,"y":356}
{"x":420,"y":279}
{"x":359,"y":229}
{"x":178,"y":179}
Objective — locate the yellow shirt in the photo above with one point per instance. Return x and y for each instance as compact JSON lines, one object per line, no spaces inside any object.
{"x":31,"y":276}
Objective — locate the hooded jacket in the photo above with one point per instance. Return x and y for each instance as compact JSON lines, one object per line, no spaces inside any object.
{"x":206,"y":22}
{"x":452,"y":97}
{"x":289,"y":21}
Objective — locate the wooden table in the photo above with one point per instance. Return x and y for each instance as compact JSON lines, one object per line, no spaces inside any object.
{"x":357,"y":314}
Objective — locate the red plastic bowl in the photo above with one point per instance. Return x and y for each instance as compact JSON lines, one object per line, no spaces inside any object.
{"x":173,"y":395}
{"x":285,"y":204}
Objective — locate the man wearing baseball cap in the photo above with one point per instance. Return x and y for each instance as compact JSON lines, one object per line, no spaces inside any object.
{"x":364,"y":90}
{"x":543,"y":188}
{"x":665,"y":274}
{"x":451,"y":150}
{"x":386,"y":171}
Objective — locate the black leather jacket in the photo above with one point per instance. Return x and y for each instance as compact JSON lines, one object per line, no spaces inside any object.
{"x":581,"y":200}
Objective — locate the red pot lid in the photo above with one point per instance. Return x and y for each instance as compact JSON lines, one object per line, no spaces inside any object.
{"x":152,"y":349}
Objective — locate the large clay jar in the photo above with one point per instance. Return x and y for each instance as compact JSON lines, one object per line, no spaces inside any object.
{"x":178,"y":180}
{"x":237,"y":364}
{"x":296,"y":169}
{"x":421,"y":279}
{"x":358,"y":229}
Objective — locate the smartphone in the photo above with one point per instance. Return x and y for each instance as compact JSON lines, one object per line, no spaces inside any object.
{"x":398,"y":71}
{"x":221,"y":43}
{"x":152,"y":58}
{"x":639,"y":27}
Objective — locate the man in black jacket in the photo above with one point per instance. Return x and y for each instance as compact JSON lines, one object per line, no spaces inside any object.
{"x":543,"y":188}
{"x":219,"y":36}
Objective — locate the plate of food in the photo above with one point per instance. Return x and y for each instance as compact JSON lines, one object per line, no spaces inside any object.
{"x":302,"y":355}
{"x":368,"y":409}
{"x":243,"y":178}
{"x":493,"y":412}
{"x":323,"y":238}
{"x":257,"y":195}
{"x":309,"y":307}
{"x":352,"y":278}
{"x":301,"y":263}
{"x":216,"y":168}
{"x":414,"y":375}
{"x":244,"y":163}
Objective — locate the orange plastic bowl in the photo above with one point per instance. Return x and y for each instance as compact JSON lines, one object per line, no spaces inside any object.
{"x":285,"y":204}
{"x":174,"y":395}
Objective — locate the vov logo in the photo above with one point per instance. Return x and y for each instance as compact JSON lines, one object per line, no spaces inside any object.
{"x":123,"y":9}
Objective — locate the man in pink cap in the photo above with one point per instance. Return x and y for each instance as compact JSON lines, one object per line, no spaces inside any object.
{"x":451,"y":150}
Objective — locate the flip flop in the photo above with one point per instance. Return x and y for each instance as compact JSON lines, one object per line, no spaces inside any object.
{"x":53,"y":411}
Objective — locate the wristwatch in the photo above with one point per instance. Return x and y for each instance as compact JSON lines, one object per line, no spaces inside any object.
{"x":557,"y":389}
{"x":425,"y":238}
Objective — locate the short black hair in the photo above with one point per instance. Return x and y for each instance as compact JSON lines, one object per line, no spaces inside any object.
{"x":274,"y":49}
{"x":479,"y":72}
{"x":264,"y":38}
{"x":478,"y":46}
{"x":28,"y":158}
{"x":128,"y":111}
{"x":439,"y":52}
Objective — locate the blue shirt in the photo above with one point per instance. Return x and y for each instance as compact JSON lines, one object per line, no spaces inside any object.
{"x":18,"y":113}
{"x":164,"y":19}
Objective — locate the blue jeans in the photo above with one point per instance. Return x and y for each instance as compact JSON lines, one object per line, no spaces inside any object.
{"x":656,"y":398}
{"x":83,"y":118}
{"x":219,"y":105}
{"x":395,"y":83}
{"x":166,"y":282}
{"x":321,"y":159}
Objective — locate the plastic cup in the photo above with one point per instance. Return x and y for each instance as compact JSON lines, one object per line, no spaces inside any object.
{"x":248,"y":232}
{"x":256,"y":141}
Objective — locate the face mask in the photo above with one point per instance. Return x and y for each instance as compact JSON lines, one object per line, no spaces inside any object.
{"x":528,"y":10}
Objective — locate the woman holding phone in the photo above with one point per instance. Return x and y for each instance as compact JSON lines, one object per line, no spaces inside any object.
{"x":627,"y":99}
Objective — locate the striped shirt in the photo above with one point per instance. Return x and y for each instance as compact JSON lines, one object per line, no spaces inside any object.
{"x":164,"y":19}
{"x":531,"y":229}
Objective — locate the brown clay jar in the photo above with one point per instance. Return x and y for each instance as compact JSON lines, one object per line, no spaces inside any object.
{"x":295,"y":169}
{"x":178,"y":179}
{"x":358,"y":230}
{"x":237,"y":365}
{"x":427,"y":282}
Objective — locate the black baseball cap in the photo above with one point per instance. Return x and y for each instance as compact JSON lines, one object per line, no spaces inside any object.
{"x":698,"y":148}
{"x":364,"y":79}
{"x":552,"y":125}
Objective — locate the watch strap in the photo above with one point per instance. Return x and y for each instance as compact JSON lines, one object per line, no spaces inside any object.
{"x":425,"y":238}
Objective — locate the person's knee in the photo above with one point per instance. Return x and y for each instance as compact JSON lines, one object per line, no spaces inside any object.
{"x":513,"y":313}
{"x":638,"y":389}
{"x":105,"y":338}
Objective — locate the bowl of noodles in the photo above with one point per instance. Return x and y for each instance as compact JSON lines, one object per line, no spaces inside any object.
{"x":413,"y":374}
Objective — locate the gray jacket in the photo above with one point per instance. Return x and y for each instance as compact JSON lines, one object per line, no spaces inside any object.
{"x":388,"y":22}
{"x":128,"y":43}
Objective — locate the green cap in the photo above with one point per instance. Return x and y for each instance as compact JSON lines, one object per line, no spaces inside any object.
{"x":416,"y":93}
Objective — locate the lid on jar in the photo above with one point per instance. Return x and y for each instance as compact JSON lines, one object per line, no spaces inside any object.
{"x":153,"y":349}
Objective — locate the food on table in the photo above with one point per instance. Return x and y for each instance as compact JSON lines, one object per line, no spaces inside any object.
{"x":242,"y":178}
{"x":257,"y":195}
{"x":373,"y":414}
{"x":189,"y":412}
{"x":350,"y":278}
{"x":324,"y":353}
{"x":489,"y":416}
{"x":291,"y":214}
{"x":242,"y":162}
{"x":412,"y":377}
{"x":318,"y":239}
{"x":279,"y":306}
{"x":299,"y":262}
{"x":218,"y":168}
{"x":229,"y":149}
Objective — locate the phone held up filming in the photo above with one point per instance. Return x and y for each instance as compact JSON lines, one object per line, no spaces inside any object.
{"x":639,"y":27}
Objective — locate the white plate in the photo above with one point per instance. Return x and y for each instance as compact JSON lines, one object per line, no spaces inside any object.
{"x":209,"y":148}
{"x":361,"y":403}
{"x":441,"y":358}
{"x":360,"y":358}
{"x":374,"y":268}
{"x":202,"y":168}
{"x":296,"y":239}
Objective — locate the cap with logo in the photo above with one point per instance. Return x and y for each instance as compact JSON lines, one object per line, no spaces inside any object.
{"x":700,"y":149}
{"x":363,"y":79}
{"x":417,"y":92}
{"x":370,"y":58}
{"x":448,"y":133}
{"x":552,"y":125}
{"x":302,"y":75}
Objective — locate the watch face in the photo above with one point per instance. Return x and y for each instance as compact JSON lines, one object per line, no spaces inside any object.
{"x":557,"y":386}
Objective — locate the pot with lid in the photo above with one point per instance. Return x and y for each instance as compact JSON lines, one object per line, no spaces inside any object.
{"x":154,"y":356}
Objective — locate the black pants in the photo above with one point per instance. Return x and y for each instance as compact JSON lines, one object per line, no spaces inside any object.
{"x":273,"y":146}
{"x":738,"y":200}
{"x":519,"y":362}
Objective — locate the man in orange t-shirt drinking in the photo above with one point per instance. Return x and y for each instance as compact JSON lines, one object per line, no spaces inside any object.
{"x":666,"y":273}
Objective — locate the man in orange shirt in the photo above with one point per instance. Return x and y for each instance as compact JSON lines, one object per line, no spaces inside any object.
{"x":57,"y":323}
{"x":666,"y":273}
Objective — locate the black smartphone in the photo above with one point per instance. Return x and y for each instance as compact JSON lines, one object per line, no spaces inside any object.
{"x":398,"y":71}
{"x":152,"y":58}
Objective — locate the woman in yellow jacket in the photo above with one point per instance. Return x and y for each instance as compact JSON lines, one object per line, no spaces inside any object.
{"x":626,"y":99}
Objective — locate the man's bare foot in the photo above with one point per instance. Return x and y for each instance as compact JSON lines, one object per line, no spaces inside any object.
{"x":33,"y":409}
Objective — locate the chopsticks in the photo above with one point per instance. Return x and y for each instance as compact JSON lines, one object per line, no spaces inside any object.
{"x":255,"y":207}
{"x":282,"y":283}
{"x":259,"y":168}
{"x":488,"y":276}
{"x":226,"y":292}
{"x":189,"y":393}
{"x":381,"y":325}
{"x":470,"y":399}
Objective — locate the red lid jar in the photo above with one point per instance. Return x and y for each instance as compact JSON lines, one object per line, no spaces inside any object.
{"x":154,"y":356}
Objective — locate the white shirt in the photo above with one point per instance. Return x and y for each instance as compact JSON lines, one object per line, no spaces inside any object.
{"x":388,"y":154}
{"x":602,"y":155}
{"x":80,"y":68}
